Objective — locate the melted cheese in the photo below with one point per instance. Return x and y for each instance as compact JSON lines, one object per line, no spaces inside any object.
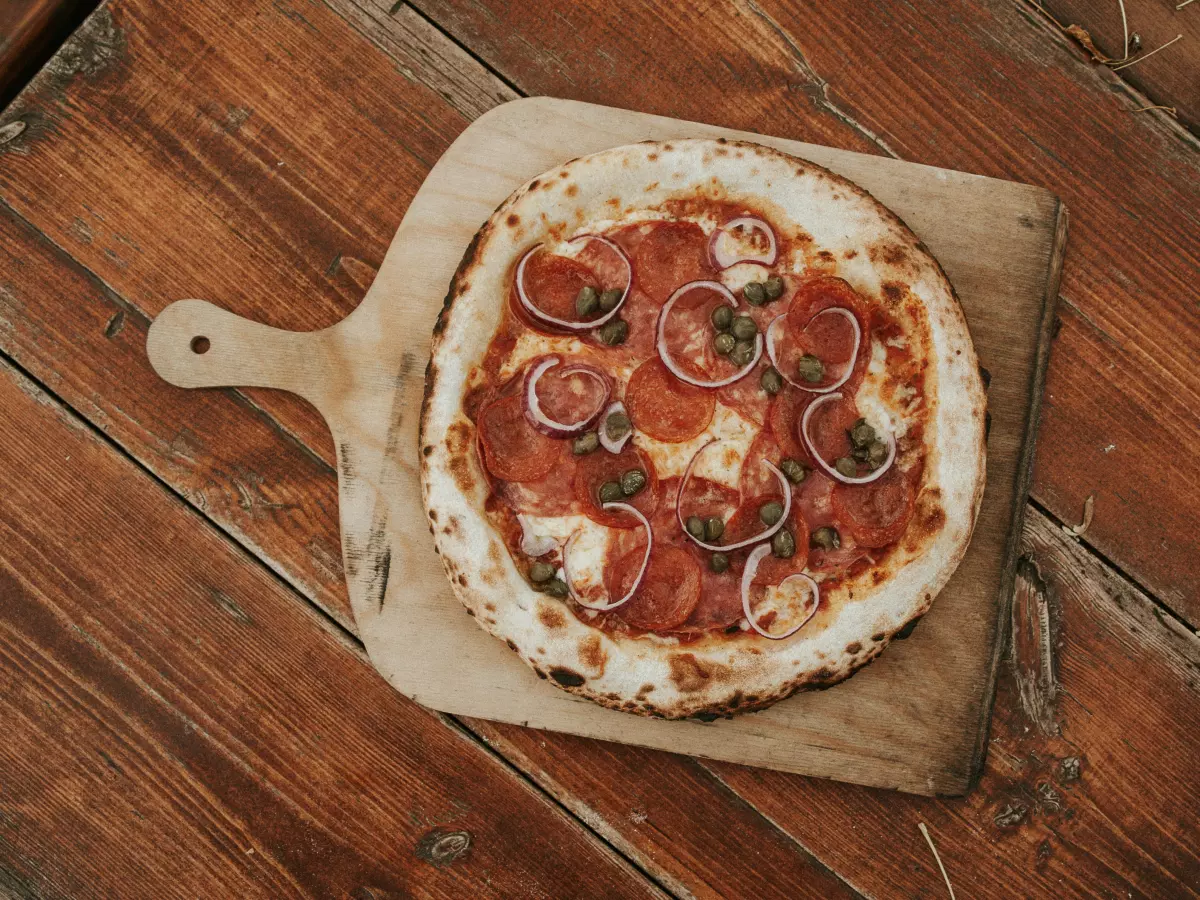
{"x":722,"y":464}
{"x":871,"y":405}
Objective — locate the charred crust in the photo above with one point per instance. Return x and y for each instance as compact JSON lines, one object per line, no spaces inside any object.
{"x":854,"y":648}
{"x":567,"y":677}
{"x":906,"y":632}
{"x":986,"y":377}
{"x":511,"y":645}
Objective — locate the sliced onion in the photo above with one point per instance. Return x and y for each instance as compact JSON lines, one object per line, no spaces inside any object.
{"x":533,"y":406}
{"x":605,"y":441}
{"x":661,"y":342}
{"x":637,"y":582}
{"x":722,"y":548}
{"x":752,"y":561}
{"x":569,"y":324}
{"x":830,"y":470}
{"x":723,"y":258}
{"x":839,"y":310}
{"x":534,"y":544}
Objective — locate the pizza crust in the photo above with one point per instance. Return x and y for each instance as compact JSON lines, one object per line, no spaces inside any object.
{"x":719,"y":674}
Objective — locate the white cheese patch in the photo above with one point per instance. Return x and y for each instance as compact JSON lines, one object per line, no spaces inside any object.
{"x":531,"y":345}
{"x":722,"y":464}
{"x":738,"y":276}
{"x":871,"y":405}
{"x":587,"y":553}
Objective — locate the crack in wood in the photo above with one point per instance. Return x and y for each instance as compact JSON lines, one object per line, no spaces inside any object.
{"x":1034,"y":628}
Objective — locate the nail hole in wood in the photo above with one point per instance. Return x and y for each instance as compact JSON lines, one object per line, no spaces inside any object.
{"x":200,"y":345}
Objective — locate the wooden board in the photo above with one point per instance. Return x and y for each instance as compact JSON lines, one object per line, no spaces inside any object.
{"x":917,"y":719}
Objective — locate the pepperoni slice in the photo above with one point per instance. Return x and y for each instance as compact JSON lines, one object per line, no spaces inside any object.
{"x":829,"y":428}
{"x":746,"y":522}
{"x":512,"y":449}
{"x":671,"y":255}
{"x":668,"y":593}
{"x":664,"y":407}
{"x":829,"y":338}
{"x":552,"y":283}
{"x":593,"y":470}
{"x":876,"y":514}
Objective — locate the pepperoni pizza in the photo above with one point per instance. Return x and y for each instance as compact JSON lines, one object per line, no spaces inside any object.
{"x":703,"y":426}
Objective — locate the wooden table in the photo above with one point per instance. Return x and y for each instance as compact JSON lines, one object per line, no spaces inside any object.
{"x":185,"y":709}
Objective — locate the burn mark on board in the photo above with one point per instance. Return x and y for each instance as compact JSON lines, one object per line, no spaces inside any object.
{"x":1034,"y":633}
{"x":380,"y":573}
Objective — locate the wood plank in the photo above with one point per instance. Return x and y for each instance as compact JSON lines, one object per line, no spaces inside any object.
{"x":991,"y":89}
{"x":1169,"y":77}
{"x":175,"y":720}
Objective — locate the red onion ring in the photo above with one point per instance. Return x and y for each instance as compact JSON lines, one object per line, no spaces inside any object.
{"x":637,"y":582}
{"x":752,"y":561}
{"x":533,"y":406}
{"x":605,"y":441}
{"x":661,"y":343}
{"x":840,"y":310}
{"x":722,"y":548}
{"x":830,"y":470}
{"x":568,"y":324}
{"x":723,"y":260}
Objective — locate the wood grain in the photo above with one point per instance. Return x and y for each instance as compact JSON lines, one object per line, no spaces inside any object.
{"x":988,"y":88}
{"x":176,"y":721}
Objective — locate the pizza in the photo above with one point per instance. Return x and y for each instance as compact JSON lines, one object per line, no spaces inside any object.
{"x":703,"y":426}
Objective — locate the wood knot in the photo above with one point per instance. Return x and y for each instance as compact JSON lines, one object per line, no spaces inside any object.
{"x":1068,"y":769}
{"x":1011,"y":814}
{"x":441,"y":847}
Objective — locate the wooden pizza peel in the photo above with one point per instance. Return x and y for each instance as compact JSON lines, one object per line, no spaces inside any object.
{"x":917,"y":718}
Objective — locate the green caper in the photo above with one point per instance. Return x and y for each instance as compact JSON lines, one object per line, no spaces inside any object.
{"x":617,"y":425}
{"x":695,"y":527}
{"x":713,"y":529}
{"x":795,"y":471}
{"x":771,"y":381}
{"x":540,"y":572}
{"x":755,"y":293}
{"x":846,"y":466}
{"x":718,"y":562}
{"x":741,"y":354}
{"x":585,"y":443}
{"x":773,"y":287}
{"x":809,"y":368}
{"x":861,"y":434}
{"x":861,"y":454}
{"x":555,"y":588}
{"x":609,"y":300}
{"x":743,"y":328}
{"x":771,"y":512}
{"x":587,"y":301}
{"x":632,"y":482}
{"x":610,"y":492}
{"x":724,"y":342}
{"x":722,"y":317}
{"x":876,"y":454}
{"x":783,"y":545}
{"x":826,"y":538}
{"x":614,"y":332}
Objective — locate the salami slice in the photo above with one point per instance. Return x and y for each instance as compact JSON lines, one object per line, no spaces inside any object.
{"x":664,"y":407}
{"x":783,"y":417}
{"x":830,"y":426}
{"x":512,"y":449}
{"x":596,"y":469}
{"x":552,"y":283}
{"x":876,"y":514}
{"x":669,"y":591}
{"x":569,"y":397}
{"x":670,"y":255}
{"x":551,"y":495}
{"x":746,"y":521}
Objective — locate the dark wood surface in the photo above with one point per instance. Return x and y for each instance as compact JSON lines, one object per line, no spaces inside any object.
{"x":182,"y":683}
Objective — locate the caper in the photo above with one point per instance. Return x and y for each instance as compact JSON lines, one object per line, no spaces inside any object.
{"x":795,"y":471}
{"x":610,"y":492}
{"x":809,"y":368}
{"x":755,"y":293}
{"x":632,"y":482}
{"x":860,"y":454}
{"x":861,"y":434}
{"x":609,"y":300}
{"x":741,"y":354}
{"x":771,"y":512}
{"x":587,"y":301}
{"x":876,"y":454}
{"x":826,"y":538}
{"x":556,"y":588}
{"x":614,"y":332}
{"x":783,"y":545}
{"x":743,"y":328}
{"x":773,"y":287}
{"x":585,"y":443}
{"x":718,"y":562}
{"x":540,"y":572}
{"x":722,"y":317}
{"x":771,"y":381}
{"x":695,"y":527}
{"x":846,"y":466}
{"x":713,"y":528}
{"x":724,"y":342}
{"x":616,"y":426}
